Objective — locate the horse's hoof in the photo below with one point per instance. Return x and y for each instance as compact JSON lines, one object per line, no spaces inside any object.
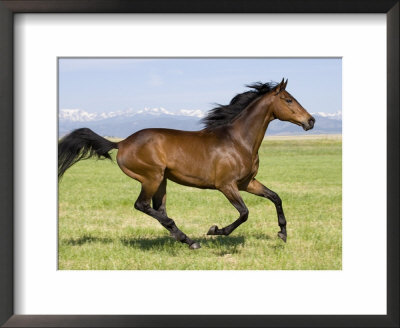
{"x":282,"y":236}
{"x":195,"y":245}
{"x":212,"y":230}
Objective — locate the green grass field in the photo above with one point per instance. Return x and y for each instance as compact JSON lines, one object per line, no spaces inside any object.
{"x":100,"y":230}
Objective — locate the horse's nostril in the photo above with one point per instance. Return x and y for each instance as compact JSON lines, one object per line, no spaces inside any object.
{"x":311,"y":122}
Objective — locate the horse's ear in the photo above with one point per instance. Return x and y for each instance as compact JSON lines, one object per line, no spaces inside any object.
{"x":280,"y":87}
{"x":284,"y":85}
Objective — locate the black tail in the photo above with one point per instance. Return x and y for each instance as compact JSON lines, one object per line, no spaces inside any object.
{"x":81,"y":144}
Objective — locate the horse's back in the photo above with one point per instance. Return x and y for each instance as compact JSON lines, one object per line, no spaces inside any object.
{"x":156,"y":137}
{"x":154,"y":144}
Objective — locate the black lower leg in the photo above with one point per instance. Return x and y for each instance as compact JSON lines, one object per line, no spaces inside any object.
{"x":228,"y":229}
{"x":257,"y":188}
{"x":234,"y":197}
{"x":279,"y":210}
{"x":160,"y":198}
{"x":166,"y":222}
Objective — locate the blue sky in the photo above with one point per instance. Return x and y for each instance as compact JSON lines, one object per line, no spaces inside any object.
{"x":110,"y":84}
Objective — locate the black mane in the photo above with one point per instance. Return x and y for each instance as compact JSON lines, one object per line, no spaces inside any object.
{"x":224,"y":114}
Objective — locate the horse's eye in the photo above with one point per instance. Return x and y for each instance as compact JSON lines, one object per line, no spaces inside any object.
{"x":289,"y":101}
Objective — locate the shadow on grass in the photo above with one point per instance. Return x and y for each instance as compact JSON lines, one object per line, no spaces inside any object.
{"x":280,"y":244}
{"x":220,"y":245}
{"x":223,"y":245}
{"x":86,"y":239}
{"x":262,"y":236}
{"x":148,"y":243}
{"x":278,"y":247}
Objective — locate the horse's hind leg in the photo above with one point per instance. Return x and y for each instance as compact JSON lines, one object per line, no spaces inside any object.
{"x":160,"y":198}
{"x":257,"y":188}
{"x":149,"y":189}
{"x":232,"y":193}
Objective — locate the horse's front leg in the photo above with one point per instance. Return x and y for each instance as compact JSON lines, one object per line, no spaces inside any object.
{"x":232,"y":193}
{"x":259,"y":189}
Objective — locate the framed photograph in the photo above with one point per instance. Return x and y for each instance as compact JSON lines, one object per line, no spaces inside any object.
{"x":126,"y":98}
{"x":67,"y":60}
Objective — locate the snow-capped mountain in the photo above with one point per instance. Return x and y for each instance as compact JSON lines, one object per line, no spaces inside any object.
{"x":76,"y":115}
{"x":79,"y":115}
{"x":333,"y":116}
{"x":123,"y":123}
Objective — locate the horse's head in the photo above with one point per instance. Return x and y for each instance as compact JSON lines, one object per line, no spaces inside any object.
{"x":286,"y":108}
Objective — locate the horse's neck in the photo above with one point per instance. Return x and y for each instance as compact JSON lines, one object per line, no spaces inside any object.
{"x":252,"y":124}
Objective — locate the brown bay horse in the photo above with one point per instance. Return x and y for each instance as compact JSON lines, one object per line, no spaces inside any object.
{"x":222,"y":156}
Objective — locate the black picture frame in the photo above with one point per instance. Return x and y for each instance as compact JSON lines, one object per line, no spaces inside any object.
{"x":10,"y":7}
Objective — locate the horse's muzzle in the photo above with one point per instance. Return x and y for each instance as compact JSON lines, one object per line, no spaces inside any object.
{"x":309,"y":124}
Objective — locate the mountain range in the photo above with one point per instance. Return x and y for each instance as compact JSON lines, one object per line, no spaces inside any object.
{"x":123,"y":123}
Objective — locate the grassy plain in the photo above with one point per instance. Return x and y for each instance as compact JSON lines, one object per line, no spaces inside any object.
{"x":100,"y":230}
